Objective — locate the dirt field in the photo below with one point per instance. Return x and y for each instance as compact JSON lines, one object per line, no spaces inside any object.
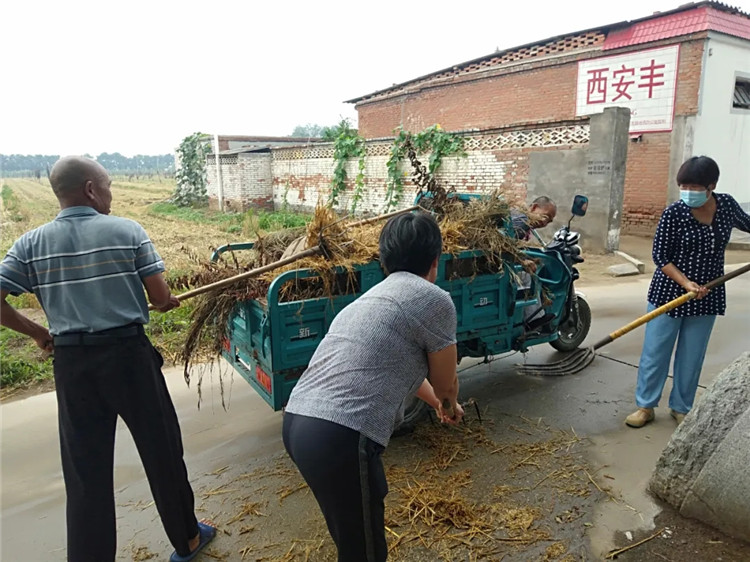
{"x":175,"y":239}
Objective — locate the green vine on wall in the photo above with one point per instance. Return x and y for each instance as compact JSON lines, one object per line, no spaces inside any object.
{"x":359,"y":182}
{"x":285,"y":198}
{"x":434,"y":140}
{"x":348,"y":144}
{"x":190,"y":176}
{"x":395,"y":183}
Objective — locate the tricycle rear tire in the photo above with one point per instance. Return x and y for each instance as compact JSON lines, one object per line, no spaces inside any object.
{"x":569,"y":340}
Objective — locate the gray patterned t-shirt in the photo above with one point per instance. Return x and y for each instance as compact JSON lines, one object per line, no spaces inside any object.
{"x":375,"y":355}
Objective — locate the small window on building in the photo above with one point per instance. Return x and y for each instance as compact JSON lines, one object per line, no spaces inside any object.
{"x":741,"y":94}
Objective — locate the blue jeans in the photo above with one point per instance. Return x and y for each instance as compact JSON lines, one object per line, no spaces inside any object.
{"x":661,"y":334}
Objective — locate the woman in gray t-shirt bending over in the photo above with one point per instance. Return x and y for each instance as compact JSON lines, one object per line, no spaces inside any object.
{"x":377,"y":352}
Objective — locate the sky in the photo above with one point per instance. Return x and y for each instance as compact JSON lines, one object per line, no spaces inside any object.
{"x":136,"y":77}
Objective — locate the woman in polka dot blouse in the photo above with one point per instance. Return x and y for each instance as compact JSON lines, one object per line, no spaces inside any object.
{"x":689,"y":252}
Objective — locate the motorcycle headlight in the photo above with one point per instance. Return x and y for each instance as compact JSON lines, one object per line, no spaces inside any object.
{"x":575,"y":250}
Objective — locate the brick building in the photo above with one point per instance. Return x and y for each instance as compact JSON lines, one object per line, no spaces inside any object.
{"x":246,"y":172}
{"x":684,"y":74}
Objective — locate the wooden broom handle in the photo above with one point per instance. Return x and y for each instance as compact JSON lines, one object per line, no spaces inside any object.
{"x":246,"y":275}
{"x":280,"y":263}
{"x":669,"y":306}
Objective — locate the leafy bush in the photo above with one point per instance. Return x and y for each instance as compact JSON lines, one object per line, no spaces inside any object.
{"x":264,"y":221}
{"x":282,"y":219}
{"x":198,"y":214}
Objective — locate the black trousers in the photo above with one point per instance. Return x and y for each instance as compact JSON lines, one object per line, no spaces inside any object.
{"x":345,"y":473}
{"x":96,"y":384}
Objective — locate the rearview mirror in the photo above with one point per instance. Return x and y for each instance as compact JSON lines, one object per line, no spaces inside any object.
{"x":580,"y":204}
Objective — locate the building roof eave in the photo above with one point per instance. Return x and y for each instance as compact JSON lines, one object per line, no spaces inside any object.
{"x":480,"y":59}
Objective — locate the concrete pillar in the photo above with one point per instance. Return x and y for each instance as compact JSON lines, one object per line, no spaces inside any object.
{"x":680,"y":149}
{"x":212,"y":182}
{"x":605,"y":175}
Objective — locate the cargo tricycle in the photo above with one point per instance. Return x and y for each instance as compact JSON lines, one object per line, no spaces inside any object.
{"x":270,"y":341}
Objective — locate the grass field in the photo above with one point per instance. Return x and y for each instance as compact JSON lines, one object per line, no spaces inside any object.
{"x":183,"y":237}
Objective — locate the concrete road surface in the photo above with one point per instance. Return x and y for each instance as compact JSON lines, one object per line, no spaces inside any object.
{"x":594,"y":403}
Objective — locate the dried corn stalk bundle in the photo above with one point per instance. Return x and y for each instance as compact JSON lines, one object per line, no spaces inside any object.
{"x":481,"y":225}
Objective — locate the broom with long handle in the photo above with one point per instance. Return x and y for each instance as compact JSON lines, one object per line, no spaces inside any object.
{"x":579,"y":360}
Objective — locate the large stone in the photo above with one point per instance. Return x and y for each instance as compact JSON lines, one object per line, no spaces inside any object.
{"x":702,"y":471}
{"x":720,"y":496}
{"x":623,"y":269}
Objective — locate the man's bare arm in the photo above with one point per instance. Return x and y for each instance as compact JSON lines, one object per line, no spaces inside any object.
{"x":159,"y":294}
{"x":14,"y":320}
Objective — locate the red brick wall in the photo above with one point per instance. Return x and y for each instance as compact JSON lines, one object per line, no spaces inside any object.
{"x":689,"y":77}
{"x":380,"y":119}
{"x":646,"y":176}
{"x":546,"y":94}
{"x":524,"y":94}
{"x":647,"y":171}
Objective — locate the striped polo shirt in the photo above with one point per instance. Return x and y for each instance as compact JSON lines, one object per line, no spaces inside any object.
{"x":86,"y":270}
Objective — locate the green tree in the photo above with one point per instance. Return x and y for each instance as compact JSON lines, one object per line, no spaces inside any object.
{"x":14,"y":165}
{"x":37,"y":164}
{"x":310,"y":130}
{"x":344,"y":128}
{"x":191,"y":174}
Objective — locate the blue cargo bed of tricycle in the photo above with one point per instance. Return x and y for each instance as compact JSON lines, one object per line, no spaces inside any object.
{"x":270,"y":342}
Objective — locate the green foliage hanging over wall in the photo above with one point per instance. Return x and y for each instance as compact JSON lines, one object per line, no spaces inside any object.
{"x":347,"y":144}
{"x":395,"y":183}
{"x":434,"y":140}
{"x":191,"y":174}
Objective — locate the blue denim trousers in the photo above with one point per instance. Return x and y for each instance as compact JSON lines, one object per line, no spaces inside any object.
{"x":691,"y":334}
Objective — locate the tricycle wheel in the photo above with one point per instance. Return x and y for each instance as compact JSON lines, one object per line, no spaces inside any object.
{"x":414,"y":410}
{"x":575,"y":329}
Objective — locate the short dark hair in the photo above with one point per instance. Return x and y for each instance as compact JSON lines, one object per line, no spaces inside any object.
{"x":698,"y":170}
{"x":410,"y":242}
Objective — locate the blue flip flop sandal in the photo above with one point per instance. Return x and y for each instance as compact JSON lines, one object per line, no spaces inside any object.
{"x":207,"y":534}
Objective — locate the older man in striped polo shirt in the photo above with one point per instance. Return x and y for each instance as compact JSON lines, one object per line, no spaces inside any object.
{"x":88,"y":270}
